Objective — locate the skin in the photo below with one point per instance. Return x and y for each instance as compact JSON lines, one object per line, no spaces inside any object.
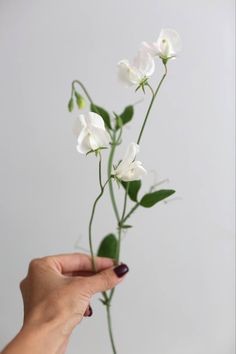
{"x":56,"y":294}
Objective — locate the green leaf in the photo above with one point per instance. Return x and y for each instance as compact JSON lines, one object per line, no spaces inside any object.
{"x":103,"y":113}
{"x":133,"y":190}
{"x":124,"y":117}
{"x":151,"y":199}
{"x":108,"y":247}
{"x":71,"y":105}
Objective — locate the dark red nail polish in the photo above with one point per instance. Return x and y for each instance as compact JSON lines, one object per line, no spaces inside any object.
{"x":121,"y":270}
{"x":90,"y":311}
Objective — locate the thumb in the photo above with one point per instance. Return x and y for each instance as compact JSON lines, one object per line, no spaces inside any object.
{"x":107,"y":279}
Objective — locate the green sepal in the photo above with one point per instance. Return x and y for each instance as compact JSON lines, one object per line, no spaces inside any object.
{"x":97,"y":151}
{"x":142,"y":85}
{"x":108,"y":247}
{"x":150,"y":199}
{"x":103,"y":113}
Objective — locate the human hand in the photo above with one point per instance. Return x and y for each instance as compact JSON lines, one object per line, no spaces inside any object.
{"x":56,"y":294}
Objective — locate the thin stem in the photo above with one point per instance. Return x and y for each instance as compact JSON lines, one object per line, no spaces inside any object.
{"x":109,"y":170}
{"x":83,"y":88}
{"x":110,"y":328}
{"x":131,"y":211}
{"x":125,"y":203}
{"x":100,"y":171}
{"x":102,"y":186}
{"x":151,"y":103}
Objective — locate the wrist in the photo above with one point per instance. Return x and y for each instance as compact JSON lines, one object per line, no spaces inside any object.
{"x":43,"y":338}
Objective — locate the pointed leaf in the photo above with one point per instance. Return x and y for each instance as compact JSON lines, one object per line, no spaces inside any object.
{"x":133,"y":189}
{"x":124,"y":117}
{"x":103,"y":113}
{"x":108,"y":247}
{"x":151,"y":199}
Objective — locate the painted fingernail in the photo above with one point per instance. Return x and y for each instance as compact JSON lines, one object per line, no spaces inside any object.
{"x":90,"y":311}
{"x":121,"y":270}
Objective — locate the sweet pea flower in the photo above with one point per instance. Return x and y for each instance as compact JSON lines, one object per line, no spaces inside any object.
{"x":129,"y":169}
{"x":167,"y":45}
{"x":139,"y":71}
{"x":91,"y":133}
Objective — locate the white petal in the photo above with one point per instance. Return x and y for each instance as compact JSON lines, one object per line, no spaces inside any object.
{"x":94,"y":120}
{"x":99,"y":138}
{"x":135,"y":172}
{"x":129,"y":157}
{"x":169,"y":42}
{"x":83,"y":145}
{"x":124,"y":71}
{"x":79,"y":124}
{"x":144,"y":63}
{"x":138,"y":171}
{"x":135,"y":75}
{"x":150,"y":48}
{"x":77,"y":127}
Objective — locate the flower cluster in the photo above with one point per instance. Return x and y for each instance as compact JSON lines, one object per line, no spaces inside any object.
{"x":90,"y":129}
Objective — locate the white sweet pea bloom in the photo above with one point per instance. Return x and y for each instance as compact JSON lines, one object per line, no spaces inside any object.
{"x":167,"y":46}
{"x":136,"y":73}
{"x":129,"y":169}
{"x":91,"y":133}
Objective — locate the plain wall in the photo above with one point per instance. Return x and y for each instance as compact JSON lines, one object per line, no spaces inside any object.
{"x":179,"y":295}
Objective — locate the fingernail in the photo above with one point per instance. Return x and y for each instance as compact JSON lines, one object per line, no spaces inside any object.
{"x":121,"y":270}
{"x":90,"y":311}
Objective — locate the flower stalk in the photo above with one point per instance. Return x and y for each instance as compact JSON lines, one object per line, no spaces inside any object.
{"x":96,"y":132}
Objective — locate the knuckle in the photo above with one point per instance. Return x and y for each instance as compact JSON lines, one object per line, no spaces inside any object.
{"x":34,"y":263}
{"x":85,"y":288}
{"x":107,"y":280}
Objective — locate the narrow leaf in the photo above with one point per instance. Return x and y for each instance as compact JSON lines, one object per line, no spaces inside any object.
{"x":108,"y":247}
{"x":103,"y":113}
{"x":126,"y":226}
{"x":133,"y":189}
{"x":151,"y":199}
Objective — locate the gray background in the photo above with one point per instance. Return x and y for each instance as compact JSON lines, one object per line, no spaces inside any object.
{"x":178,"y":297}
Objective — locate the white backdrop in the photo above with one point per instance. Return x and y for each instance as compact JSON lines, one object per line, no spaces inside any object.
{"x":178,"y":297}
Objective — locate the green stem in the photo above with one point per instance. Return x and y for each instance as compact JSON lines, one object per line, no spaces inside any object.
{"x":131,"y":211}
{"x":110,"y":328}
{"x":154,"y":94}
{"x":102,"y":186}
{"x":125,"y":203}
{"x":110,"y":161}
{"x":83,"y":88}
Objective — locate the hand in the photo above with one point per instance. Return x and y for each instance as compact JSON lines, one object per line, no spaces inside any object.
{"x":56,"y":295}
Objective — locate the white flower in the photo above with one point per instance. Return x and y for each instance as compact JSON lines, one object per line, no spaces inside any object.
{"x":141,"y":69}
{"x":91,"y":133}
{"x":167,"y":46}
{"x":129,"y":169}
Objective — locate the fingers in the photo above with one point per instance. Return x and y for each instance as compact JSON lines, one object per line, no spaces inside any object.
{"x":78,"y":262}
{"x":106,"y":279}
